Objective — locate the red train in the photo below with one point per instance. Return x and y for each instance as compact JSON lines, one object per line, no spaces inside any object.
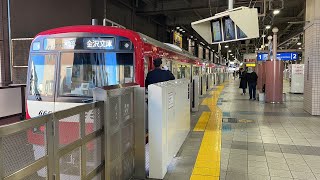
{"x":65,"y":64}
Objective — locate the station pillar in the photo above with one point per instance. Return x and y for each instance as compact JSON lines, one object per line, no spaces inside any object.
{"x":312,"y":58}
{"x":274,"y":75}
{"x":5,"y":77}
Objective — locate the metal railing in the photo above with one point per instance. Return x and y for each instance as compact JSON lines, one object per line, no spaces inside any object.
{"x":55,"y":152}
{"x":100,"y":140}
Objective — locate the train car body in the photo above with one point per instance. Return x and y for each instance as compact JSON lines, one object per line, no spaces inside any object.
{"x":66,"y":64}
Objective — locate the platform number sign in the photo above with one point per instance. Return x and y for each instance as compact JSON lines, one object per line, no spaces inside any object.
{"x":283,"y":56}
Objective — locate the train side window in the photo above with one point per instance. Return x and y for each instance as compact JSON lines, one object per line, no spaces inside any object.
{"x":42,"y":73}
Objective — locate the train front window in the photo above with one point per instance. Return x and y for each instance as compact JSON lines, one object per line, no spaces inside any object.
{"x":81,"y":72}
{"x":42,"y":74}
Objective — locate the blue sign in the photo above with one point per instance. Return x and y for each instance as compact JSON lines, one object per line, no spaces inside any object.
{"x":284,"y":56}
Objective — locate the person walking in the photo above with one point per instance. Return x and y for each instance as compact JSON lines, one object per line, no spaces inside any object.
{"x":158,"y":75}
{"x":243,"y":81}
{"x":252,"y":78}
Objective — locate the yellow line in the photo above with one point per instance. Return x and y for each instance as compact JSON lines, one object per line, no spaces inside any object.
{"x":202,"y":122}
{"x":207,"y":165}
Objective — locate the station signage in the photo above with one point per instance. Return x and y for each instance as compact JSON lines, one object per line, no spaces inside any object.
{"x":284,"y":56}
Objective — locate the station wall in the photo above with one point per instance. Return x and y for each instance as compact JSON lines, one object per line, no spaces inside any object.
{"x":33,"y":16}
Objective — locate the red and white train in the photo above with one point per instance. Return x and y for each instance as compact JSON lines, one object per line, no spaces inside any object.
{"x":65,"y":64}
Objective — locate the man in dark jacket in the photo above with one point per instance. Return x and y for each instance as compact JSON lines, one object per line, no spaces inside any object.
{"x":158,"y":75}
{"x":252,"y":78}
{"x":243,"y":81}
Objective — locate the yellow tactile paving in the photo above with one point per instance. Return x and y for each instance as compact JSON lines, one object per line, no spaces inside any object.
{"x":202,"y":122}
{"x":207,"y":166}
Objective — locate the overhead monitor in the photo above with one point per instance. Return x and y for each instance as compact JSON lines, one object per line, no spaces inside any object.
{"x":228,"y":29}
{"x":216,"y":31}
{"x":241,"y":34}
{"x":232,"y":25}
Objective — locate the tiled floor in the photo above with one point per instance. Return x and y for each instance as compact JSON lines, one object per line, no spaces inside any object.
{"x":269,"y":141}
{"x":259,"y":141}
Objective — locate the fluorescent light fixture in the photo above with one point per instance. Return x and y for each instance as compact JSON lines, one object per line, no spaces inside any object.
{"x":300,"y":48}
{"x":229,"y":51}
{"x":178,"y":27}
{"x":226,"y":46}
{"x":276,"y":11}
{"x":191,"y":36}
{"x":299,"y":43}
{"x":183,"y":31}
{"x":268,"y":27}
{"x":231,"y":54}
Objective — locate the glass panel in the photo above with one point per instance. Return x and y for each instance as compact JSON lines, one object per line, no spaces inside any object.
{"x":183,"y":71}
{"x":81,"y":72}
{"x":42,"y":74}
{"x":196,"y":71}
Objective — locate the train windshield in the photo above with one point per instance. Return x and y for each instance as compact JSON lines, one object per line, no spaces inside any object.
{"x":81,"y":72}
{"x":42,"y":73}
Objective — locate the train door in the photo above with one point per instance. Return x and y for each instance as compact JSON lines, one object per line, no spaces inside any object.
{"x":148,"y":65}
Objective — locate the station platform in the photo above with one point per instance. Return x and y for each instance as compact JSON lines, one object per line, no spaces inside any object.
{"x":234,"y":138}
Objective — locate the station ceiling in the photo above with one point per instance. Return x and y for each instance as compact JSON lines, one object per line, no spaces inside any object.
{"x":290,"y":20}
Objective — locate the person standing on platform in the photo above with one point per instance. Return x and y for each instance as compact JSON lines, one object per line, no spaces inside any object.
{"x":252,"y":78}
{"x":243,"y":81}
{"x":158,"y":74}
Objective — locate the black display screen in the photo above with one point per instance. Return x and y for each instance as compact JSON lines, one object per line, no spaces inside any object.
{"x":229,"y":29}
{"x":216,"y":31}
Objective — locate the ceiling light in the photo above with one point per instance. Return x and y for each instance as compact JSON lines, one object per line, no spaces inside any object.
{"x":191,"y":36}
{"x":183,"y":31}
{"x":276,"y":11}
{"x":300,"y":48}
{"x":268,"y":27}
{"x":299,"y":43}
{"x":231,"y":54}
{"x":178,"y":27}
{"x":263,"y":35}
{"x":229,"y":51}
{"x":226,"y":46}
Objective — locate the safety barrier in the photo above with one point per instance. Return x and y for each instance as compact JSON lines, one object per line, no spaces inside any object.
{"x":169,"y":117}
{"x":54,"y":154}
{"x":92,"y":141}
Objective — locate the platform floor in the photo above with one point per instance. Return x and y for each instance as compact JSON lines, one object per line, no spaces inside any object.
{"x":258,"y":141}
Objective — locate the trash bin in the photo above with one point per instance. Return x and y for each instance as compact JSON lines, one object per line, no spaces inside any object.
{"x":261,"y":97}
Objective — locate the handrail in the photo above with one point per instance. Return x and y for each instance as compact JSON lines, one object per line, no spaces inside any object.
{"x":9,"y":129}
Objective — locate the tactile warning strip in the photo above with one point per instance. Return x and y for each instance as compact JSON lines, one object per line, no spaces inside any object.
{"x":207,"y":165}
